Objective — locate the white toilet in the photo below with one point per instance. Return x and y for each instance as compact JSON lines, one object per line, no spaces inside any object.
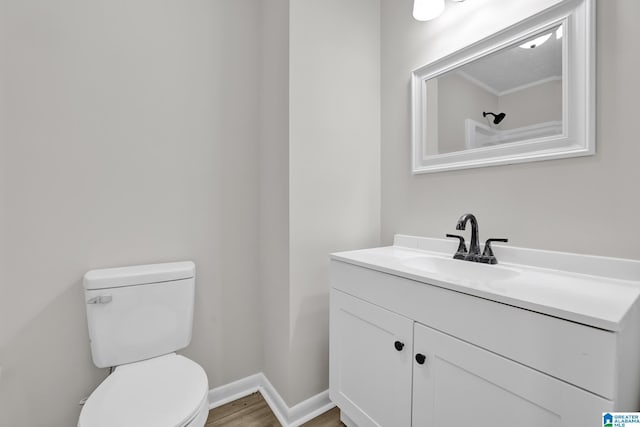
{"x":138,"y":317}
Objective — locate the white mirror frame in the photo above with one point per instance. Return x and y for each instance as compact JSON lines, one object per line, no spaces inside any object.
{"x":578,"y":98}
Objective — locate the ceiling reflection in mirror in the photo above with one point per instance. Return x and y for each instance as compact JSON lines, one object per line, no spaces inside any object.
{"x":510,"y":96}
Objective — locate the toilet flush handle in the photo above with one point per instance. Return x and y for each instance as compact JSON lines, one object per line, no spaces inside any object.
{"x":102,"y":299}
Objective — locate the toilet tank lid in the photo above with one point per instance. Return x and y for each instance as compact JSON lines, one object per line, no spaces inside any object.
{"x":138,"y":275}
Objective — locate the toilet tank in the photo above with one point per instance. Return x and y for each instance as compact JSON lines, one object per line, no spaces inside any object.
{"x":139,"y":312}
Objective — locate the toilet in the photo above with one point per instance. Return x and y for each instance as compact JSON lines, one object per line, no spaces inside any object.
{"x":138,"y":317}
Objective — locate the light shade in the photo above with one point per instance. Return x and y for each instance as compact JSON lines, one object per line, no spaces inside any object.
{"x":426,"y":10}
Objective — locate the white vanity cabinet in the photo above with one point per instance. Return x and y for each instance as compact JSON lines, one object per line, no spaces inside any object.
{"x":485,"y":362}
{"x":365,"y":337}
{"x":460,"y":384}
{"x":457,"y":384}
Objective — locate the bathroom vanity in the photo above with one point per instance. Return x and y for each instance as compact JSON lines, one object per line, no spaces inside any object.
{"x":542,"y":338}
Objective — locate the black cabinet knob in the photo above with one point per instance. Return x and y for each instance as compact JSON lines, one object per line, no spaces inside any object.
{"x":420,"y":358}
{"x":398,"y":345}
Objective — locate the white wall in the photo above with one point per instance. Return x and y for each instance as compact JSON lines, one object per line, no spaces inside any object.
{"x":334,"y":165}
{"x":274,"y":192}
{"x":243,"y":135}
{"x":319,"y":173}
{"x":129,"y":136}
{"x":585,"y":205}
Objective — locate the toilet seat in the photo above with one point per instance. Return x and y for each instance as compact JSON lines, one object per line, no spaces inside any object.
{"x":166,"y":391}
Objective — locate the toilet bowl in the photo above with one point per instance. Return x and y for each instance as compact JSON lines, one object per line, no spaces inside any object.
{"x":138,"y":317}
{"x":166,"y":391}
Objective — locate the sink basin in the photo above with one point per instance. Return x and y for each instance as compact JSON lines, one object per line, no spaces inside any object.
{"x":449,"y":267}
{"x":588,"y":289}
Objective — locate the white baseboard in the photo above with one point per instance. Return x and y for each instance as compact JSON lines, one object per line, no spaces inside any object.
{"x":288,"y":417}
{"x":234,"y":391}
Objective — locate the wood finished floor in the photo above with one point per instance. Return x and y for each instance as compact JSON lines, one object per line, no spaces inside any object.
{"x":253,"y":411}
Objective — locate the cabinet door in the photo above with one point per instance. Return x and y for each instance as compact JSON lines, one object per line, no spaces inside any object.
{"x":460,"y":384}
{"x":370,"y":362}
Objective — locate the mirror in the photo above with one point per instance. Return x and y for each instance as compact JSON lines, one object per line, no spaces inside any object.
{"x":511,"y":95}
{"x":524,"y":94}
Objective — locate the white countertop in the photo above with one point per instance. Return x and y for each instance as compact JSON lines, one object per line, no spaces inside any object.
{"x":592,"y":290}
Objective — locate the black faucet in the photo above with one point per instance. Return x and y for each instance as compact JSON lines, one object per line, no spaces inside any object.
{"x":487,"y":255}
{"x":473,"y":254}
{"x":474,"y":246}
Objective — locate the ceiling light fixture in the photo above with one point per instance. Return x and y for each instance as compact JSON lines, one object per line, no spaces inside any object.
{"x":426,"y":10}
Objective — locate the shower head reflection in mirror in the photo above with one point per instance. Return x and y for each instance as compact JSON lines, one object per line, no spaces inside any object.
{"x":497,"y":118}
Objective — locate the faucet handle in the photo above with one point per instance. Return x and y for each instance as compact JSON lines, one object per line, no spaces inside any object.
{"x":487,"y":255}
{"x":461,"y":252}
